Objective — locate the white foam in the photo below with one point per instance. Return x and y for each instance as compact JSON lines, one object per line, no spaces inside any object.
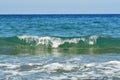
{"x":55,"y":41}
{"x":92,"y":40}
{"x":92,"y":70}
{"x":55,"y":66}
{"x":10,"y":66}
{"x":114,"y":62}
{"x":59,"y":78}
{"x":109,"y":69}
{"x":90,"y":65}
{"x":13,"y":72}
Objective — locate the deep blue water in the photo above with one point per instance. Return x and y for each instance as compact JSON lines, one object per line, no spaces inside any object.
{"x":64,"y":47}
{"x":60,"y":25}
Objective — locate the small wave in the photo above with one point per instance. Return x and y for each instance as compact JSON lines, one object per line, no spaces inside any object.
{"x":28,"y":43}
{"x":56,"y":42}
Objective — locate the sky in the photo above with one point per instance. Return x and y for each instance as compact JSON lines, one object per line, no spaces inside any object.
{"x":59,"y":6}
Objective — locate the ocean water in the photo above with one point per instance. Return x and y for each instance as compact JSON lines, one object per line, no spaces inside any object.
{"x":60,"y":47}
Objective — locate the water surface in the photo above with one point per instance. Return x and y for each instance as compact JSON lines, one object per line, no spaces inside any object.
{"x":59,"y":47}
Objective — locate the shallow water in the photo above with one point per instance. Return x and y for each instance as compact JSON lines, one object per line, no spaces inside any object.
{"x":59,"y":47}
{"x":60,"y":67}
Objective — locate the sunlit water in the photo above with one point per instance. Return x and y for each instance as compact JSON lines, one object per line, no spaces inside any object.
{"x":60,"y":47}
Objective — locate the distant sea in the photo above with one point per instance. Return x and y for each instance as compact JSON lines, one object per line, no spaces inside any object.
{"x":60,"y":47}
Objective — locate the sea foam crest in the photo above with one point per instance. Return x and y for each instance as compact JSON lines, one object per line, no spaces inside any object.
{"x":55,"y":42}
{"x":92,"y":39}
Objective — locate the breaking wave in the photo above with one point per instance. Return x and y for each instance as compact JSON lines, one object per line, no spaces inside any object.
{"x":28,"y":42}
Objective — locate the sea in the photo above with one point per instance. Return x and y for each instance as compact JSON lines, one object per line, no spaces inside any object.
{"x":60,"y":47}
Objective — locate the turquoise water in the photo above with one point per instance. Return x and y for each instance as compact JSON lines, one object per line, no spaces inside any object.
{"x":65,"y":47}
{"x":60,"y":25}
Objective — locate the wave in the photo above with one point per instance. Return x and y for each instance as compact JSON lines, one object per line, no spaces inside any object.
{"x":28,"y":42}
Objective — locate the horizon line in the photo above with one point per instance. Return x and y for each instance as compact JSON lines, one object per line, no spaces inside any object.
{"x":64,"y":14}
